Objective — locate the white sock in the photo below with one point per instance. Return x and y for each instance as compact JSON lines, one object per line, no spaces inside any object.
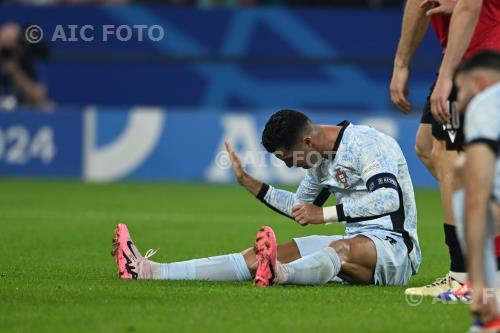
{"x":460,"y":277}
{"x":229,"y":267}
{"x":316,"y":268}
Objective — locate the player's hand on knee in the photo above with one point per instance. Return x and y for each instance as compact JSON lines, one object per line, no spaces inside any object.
{"x":306,"y":214}
{"x":238,"y":170}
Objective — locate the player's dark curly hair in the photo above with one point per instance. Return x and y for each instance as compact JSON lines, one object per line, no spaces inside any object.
{"x":487,"y":59}
{"x":283,"y":130}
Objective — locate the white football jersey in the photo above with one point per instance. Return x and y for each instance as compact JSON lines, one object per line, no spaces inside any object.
{"x":369,"y":177}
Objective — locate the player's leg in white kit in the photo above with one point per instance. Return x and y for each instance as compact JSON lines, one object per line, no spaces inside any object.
{"x":352,"y":259}
{"x":230,"y":267}
{"x":133,"y":265}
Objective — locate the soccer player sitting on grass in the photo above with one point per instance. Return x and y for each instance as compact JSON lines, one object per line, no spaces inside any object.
{"x":364,"y":169}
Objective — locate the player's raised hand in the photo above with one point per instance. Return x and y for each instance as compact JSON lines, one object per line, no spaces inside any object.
{"x":245,"y":180}
{"x":444,"y":7}
{"x":399,"y":88}
{"x":239,"y":172}
{"x":439,"y":99}
{"x":306,"y":214}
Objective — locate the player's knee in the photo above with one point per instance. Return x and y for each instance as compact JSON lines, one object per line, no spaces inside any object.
{"x":343,"y":249}
{"x":423,"y":151}
{"x":436,"y":153}
{"x":423,"y":143}
{"x":445,"y":171}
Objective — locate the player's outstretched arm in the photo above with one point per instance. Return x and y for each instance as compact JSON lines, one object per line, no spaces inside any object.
{"x":281,"y":201}
{"x":462,"y":25}
{"x":414,"y":27}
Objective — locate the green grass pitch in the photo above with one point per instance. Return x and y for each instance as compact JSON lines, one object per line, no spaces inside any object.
{"x":57,"y":275}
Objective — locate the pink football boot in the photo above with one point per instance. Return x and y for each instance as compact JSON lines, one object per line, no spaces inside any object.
{"x":266,"y":251}
{"x":131,"y":264}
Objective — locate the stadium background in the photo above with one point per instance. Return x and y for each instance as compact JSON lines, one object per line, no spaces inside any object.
{"x":134,"y":136}
{"x":216,"y":73}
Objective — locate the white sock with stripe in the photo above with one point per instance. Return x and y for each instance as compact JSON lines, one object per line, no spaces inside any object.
{"x":316,"y":268}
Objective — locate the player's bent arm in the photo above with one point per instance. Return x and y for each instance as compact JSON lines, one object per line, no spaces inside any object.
{"x":309,"y":191}
{"x":278,"y":200}
{"x":479,"y":168}
{"x":383,"y":199}
{"x":379,"y":166}
{"x":462,"y":25}
{"x":379,"y":203}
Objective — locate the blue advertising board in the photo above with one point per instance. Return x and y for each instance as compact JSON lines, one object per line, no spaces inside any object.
{"x":247,"y":58}
{"x":41,"y":144}
{"x":144,"y":143}
{"x":153,"y":144}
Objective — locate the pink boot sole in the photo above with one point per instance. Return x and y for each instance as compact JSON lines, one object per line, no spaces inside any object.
{"x":119,"y":249}
{"x":266,"y":251}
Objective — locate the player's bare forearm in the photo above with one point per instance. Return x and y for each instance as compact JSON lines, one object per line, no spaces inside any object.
{"x":251,"y":184}
{"x":462,"y":25}
{"x":479,"y":168}
{"x":414,"y":27}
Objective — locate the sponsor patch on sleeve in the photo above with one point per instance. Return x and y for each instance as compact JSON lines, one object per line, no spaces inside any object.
{"x":380,"y":180}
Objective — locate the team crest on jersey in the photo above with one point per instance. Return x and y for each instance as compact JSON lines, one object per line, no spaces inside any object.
{"x":341,"y":177}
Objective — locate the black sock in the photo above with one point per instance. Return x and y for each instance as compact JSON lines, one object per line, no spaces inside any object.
{"x":456,"y":256}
